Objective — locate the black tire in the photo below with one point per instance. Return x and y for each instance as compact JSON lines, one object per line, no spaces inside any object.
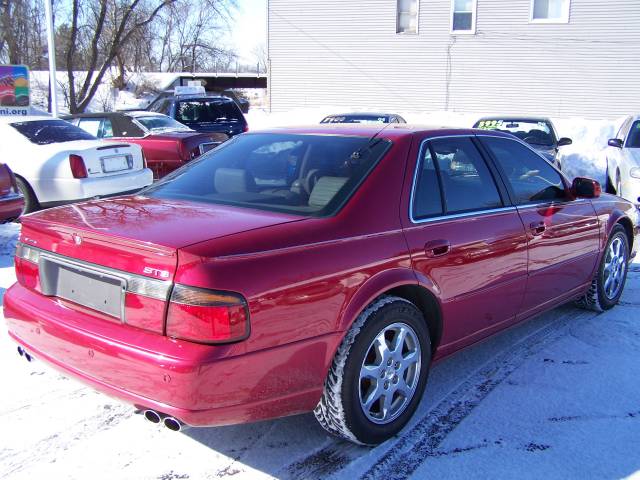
{"x":609,"y":188}
{"x":339,"y":410}
{"x":30,"y":200}
{"x":596,"y":297}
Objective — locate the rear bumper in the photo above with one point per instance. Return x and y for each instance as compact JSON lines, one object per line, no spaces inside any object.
{"x":198,"y":384}
{"x":67,"y":190}
{"x":10,"y":207}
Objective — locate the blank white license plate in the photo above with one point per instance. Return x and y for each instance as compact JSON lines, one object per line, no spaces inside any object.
{"x":115,"y":163}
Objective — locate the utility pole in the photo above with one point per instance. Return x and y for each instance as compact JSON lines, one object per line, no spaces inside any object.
{"x":52,"y":57}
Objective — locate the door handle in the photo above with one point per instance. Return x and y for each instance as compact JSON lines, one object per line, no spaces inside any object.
{"x":437,"y":248}
{"x":537,"y":228}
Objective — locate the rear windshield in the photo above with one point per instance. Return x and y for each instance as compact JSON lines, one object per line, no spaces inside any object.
{"x":44,"y":132}
{"x":531,"y":131}
{"x":157,"y":122}
{"x":310,"y":175}
{"x":214,"y":111}
{"x":356,"y":119}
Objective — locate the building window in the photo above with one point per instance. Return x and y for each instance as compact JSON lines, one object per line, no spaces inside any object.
{"x":407,"y":16}
{"x":463,"y":16}
{"x":550,"y":11}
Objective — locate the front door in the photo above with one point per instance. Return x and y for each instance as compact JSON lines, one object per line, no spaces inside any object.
{"x":465,"y":239}
{"x":562,"y":233}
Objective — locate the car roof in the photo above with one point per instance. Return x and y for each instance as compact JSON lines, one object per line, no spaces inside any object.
{"x":390,"y":130}
{"x":362,"y":114}
{"x":515,"y":118}
{"x":197,"y":96}
{"x":128,"y":113}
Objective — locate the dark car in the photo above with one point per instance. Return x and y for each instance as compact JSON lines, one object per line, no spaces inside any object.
{"x":539,"y":132}
{"x":11,"y":200}
{"x":166,"y":143}
{"x":242,"y":287}
{"x":203,"y":112}
{"x":363,"y":117}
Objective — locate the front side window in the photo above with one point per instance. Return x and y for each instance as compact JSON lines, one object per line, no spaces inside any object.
{"x":463,"y":16}
{"x":633,"y":140}
{"x":467,"y":183}
{"x":551,"y":11}
{"x":407,"y":16}
{"x":45,"y":132}
{"x":309,"y":175}
{"x":530,"y":176}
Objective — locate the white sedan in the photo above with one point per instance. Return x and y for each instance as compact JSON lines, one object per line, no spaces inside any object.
{"x":56,"y":162}
{"x":623,"y":161}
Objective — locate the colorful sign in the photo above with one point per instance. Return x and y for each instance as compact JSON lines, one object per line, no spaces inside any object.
{"x":14,"y":90}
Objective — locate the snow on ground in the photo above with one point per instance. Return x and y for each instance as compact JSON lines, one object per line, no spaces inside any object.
{"x":555,"y":397}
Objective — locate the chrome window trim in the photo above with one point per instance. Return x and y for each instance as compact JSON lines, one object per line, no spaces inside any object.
{"x":445,"y":216}
{"x":138,"y":284}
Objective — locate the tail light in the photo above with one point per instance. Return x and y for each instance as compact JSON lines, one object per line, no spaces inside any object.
{"x":78,"y":168}
{"x":27,"y":272}
{"x":207,"y":316}
{"x":245,"y":129}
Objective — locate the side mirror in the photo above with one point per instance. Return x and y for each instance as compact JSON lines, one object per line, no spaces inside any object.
{"x":585,"y":188}
{"x":564,"y":141}
{"x":615,"y":142}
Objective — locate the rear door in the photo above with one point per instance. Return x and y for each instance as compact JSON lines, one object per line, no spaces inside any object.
{"x":465,"y":239}
{"x":562,"y":233}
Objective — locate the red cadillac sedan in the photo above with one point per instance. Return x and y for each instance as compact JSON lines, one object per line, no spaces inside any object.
{"x":323,"y":268}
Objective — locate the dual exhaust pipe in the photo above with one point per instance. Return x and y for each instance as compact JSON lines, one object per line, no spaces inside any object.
{"x":23,"y":353}
{"x":168,"y":421}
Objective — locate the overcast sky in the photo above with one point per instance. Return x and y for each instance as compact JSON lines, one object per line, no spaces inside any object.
{"x":250,"y":28}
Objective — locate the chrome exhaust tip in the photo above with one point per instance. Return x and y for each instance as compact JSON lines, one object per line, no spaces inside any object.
{"x":173,"y":424}
{"x":152,"y":416}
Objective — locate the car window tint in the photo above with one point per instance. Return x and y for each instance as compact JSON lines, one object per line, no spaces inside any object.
{"x":310,"y":175}
{"x":466,"y":180}
{"x":634,"y":136}
{"x":45,"y":132}
{"x":215,"y":111}
{"x":427,"y":201}
{"x":91,"y":125}
{"x":532,"y":179}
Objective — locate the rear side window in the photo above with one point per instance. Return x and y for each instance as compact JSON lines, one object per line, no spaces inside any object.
{"x":45,"y":132}
{"x":427,"y":201}
{"x":98,"y":127}
{"x":467,"y":183}
{"x":530,"y":177}
{"x":214,"y":111}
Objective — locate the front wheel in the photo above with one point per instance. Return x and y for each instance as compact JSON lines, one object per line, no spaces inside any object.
{"x":608,"y":283}
{"x":378,"y":374}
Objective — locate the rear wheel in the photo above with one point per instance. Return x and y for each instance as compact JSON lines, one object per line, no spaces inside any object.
{"x":378,"y":374}
{"x":30,"y":200}
{"x":608,"y":284}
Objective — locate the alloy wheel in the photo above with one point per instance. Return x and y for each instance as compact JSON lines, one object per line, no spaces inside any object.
{"x":615,"y":266}
{"x":390,"y":373}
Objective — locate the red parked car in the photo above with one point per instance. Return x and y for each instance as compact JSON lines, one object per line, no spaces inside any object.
{"x":322,"y":268}
{"x":166,"y":143}
{"x":11,"y":200}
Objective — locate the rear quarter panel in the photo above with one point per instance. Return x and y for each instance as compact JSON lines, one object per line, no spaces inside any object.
{"x":612,"y":210}
{"x":301,"y":279}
